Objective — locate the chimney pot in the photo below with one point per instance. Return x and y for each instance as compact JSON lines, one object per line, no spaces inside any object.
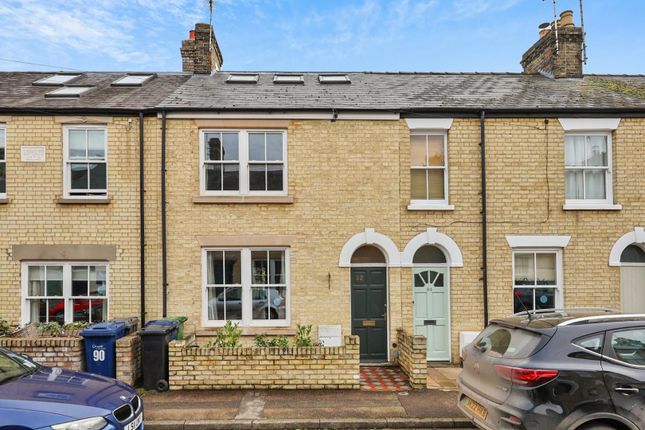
{"x":191,"y":35}
{"x":566,"y":18}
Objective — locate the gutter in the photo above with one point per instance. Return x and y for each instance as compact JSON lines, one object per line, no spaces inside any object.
{"x":482,"y":127}
{"x":164,"y":250}
{"x":142,"y":222}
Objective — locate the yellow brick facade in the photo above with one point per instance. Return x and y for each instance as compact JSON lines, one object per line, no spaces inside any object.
{"x":344,"y":177}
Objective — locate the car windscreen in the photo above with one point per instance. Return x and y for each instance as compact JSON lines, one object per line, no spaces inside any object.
{"x":507,"y":342}
{"x":10,"y":368}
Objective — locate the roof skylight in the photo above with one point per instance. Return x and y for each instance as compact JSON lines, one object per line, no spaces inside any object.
{"x":334,"y":79}
{"x":132,"y":80}
{"x":288,"y":79}
{"x":68,"y":92}
{"x":243,"y":78}
{"x":55,"y":79}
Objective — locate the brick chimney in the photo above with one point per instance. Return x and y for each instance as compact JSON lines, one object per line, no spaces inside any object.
{"x":200,"y":53}
{"x":561,"y":58}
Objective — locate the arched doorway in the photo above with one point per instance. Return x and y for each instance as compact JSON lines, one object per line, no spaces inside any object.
{"x":431,"y":285}
{"x":369,"y":302}
{"x":632,"y":279}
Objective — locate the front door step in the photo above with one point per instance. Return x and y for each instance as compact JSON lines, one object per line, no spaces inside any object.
{"x":383,"y":378}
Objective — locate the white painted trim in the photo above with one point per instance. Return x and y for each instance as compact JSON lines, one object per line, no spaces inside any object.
{"x":357,"y":116}
{"x":581,"y":124}
{"x":67,"y":180}
{"x":559,"y":270}
{"x":538,"y":241}
{"x":429,"y":123}
{"x":636,"y":236}
{"x":429,"y":206}
{"x":370,"y":237}
{"x":591,"y":207}
{"x":440,"y":240}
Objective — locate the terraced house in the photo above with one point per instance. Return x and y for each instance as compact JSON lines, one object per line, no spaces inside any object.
{"x":357,"y":202}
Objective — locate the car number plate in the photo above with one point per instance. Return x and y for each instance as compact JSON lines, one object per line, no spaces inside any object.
{"x":477,"y":409}
{"x":134,"y":424}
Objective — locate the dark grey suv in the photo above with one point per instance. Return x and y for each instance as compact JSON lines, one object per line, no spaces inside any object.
{"x":557,"y":369}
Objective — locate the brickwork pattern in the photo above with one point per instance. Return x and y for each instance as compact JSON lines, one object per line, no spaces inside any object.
{"x":128,"y":359}
{"x":412,"y":358}
{"x":193,"y":368}
{"x":63,"y":352}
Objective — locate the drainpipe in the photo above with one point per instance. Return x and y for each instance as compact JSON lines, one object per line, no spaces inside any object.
{"x":482,"y":127}
{"x":164,"y":256}
{"x":142,"y":222}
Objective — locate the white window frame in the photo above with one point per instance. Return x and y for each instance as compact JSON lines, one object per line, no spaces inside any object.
{"x":247,"y":285}
{"x":432,"y":204}
{"x":243,"y":157}
{"x":592,"y":204}
{"x":4,"y":160}
{"x":67,"y":179}
{"x":67,"y":287}
{"x":559,"y":272}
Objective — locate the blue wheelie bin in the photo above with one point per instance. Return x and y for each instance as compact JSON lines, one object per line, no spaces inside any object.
{"x":100,"y":347}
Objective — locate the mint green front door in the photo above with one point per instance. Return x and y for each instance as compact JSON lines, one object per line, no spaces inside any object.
{"x":432,"y":310}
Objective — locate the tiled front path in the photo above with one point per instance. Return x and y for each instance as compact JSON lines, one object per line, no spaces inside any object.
{"x":383,"y":378}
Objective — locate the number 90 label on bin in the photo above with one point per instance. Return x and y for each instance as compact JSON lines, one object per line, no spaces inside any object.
{"x":98,"y":353}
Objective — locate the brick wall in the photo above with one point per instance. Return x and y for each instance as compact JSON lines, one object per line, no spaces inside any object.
{"x":63,"y":352}
{"x":194,"y":368}
{"x":128,"y":359}
{"x":412,"y":358}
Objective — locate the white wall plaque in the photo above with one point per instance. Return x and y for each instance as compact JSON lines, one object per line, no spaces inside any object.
{"x":32,"y":154}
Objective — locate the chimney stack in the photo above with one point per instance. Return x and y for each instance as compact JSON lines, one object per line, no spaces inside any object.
{"x":559,"y":57}
{"x":200,"y":53}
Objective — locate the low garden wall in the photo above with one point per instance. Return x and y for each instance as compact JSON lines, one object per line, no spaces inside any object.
{"x":128,"y":359}
{"x":196,"y":368}
{"x":65,"y":352}
{"x":413,"y":358}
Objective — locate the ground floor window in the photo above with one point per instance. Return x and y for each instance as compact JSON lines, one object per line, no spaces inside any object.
{"x":536,"y":280}
{"x":64,"y":292}
{"x":246,"y":285}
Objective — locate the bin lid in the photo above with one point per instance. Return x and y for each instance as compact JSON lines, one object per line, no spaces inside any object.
{"x":163,"y":322}
{"x":156,"y":329}
{"x":103,"y":329}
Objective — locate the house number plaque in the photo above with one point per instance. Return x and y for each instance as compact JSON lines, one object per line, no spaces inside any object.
{"x":32,"y":154}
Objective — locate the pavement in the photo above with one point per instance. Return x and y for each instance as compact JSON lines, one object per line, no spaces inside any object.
{"x":302,"y":409}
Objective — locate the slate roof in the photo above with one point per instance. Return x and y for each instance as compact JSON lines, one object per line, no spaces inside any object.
{"x":397,"y":92}
{"x":413,"y":91}
{"x":18,"y":92}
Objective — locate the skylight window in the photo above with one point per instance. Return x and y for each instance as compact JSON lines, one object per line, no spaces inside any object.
{"x":55,"y":80}
{"x":246,"y":78}
{"x":288,"y":79}
{"x":334,"y":79}
{"x":131,"y":80}
{"x":68,"y":92}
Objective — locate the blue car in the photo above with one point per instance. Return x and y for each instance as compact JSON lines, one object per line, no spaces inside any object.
{"x":34,"y":397}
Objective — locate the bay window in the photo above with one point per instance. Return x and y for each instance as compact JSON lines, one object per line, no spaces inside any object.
{"x":64,"y":292}
{"x":246,"y":285}
{"x":243,"y":162}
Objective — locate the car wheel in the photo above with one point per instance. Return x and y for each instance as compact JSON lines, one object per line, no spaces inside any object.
{"x":162,"y":385}
{"x":594,"y":426}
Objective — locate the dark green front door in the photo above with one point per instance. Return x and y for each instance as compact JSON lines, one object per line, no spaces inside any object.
{"x":369,"y":312}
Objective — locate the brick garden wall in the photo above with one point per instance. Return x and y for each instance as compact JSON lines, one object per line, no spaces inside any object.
{"x":64,"y":352}
{"x":194,"y":368}
{"x":412,"y":358}
{"x":128,"y":359}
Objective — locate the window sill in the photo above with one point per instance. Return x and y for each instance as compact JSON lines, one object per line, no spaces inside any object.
{"x":284,"y":200}
{"x":81,"y":201}
{"x":591,"y":207}
{"x":4,"y":201}
{"x":250,"y":331}
{"x":430,"y":207}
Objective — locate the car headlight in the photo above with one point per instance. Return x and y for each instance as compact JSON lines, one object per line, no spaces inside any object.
{"x":96,"y":423}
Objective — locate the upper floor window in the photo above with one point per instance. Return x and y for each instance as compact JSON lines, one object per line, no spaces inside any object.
{"x":588,"y":177}
{"x":64,"y":292}
{"x":429,"y":170}
{"x":243,"y":162}
{"x":537,"y":280}
{"x":85,"y":149}
{"x":3,"y":163}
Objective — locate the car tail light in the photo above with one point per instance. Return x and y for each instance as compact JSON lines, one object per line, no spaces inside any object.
{"x":526,"y":377}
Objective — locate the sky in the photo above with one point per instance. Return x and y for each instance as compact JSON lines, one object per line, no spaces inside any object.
{"x":311,"y":35}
